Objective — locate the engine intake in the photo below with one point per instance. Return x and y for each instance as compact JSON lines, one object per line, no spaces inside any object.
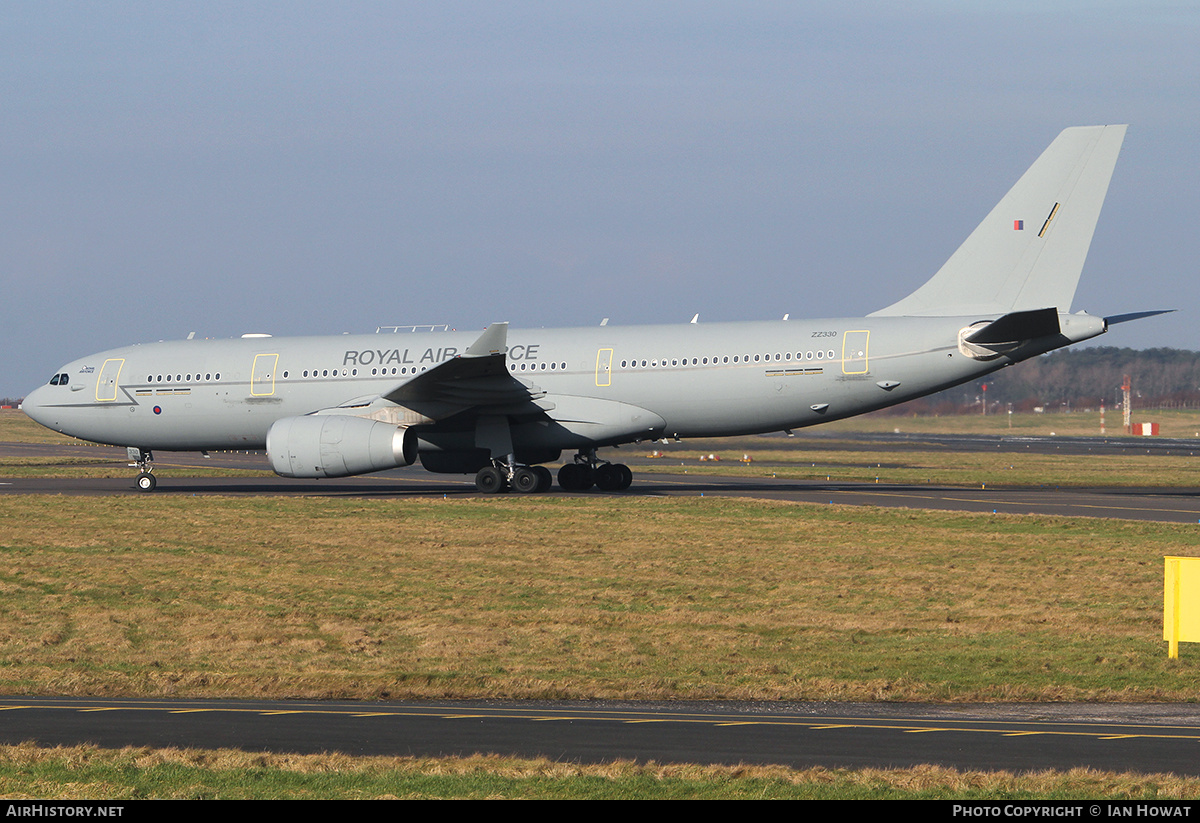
{"x":337,"y":445}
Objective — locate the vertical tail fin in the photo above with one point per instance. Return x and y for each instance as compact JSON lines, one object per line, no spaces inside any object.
{"x":1028,"y":253}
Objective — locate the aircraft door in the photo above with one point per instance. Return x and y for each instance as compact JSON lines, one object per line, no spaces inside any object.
{"x":262,"y":375}
{"x":106,"y":382}
{"x":604,"y":367}
{"x":854,"y":352}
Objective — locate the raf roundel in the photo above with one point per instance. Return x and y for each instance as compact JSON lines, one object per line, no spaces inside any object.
{"x":158,"y":409}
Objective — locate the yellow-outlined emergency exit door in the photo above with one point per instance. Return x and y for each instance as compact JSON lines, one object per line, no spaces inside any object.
{"x":604,"y":367}
{"x":854,"y":352}
{"x":106,"y":381}
{"x":262,"y":376}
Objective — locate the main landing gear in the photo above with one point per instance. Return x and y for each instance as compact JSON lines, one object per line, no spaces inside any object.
{"x":523,"y":479}
{"x":143,"y":461}
{"x":588,"y":471}
{"x":582,"y":474}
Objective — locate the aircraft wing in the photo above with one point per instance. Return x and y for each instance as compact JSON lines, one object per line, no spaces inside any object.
{"x":478,"y":377}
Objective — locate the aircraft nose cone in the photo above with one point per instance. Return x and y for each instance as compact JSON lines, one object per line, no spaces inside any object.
{"x":34,"y":406}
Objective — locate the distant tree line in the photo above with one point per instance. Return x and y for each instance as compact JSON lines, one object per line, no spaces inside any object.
{"x":1068,"y":380}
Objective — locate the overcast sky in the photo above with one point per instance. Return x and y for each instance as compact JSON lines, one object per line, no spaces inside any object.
{"x":299,"y":168}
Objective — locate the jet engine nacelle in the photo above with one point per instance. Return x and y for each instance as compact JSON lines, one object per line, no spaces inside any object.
{"x":337,"y":445}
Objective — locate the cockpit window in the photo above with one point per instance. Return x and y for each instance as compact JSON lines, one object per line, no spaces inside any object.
{"x":54,"y":379}
{"x":60,"y":380}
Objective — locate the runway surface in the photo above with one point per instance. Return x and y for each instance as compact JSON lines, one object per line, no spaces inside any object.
{"x":1146,"y":739}
{"x":1176,"y":505}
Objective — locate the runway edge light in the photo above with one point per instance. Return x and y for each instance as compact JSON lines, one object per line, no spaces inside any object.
{"x":1181,"y":602}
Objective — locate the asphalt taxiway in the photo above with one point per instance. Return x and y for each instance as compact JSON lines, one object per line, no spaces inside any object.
{"x":1019,"y":738}
{"x":1163,"y":504}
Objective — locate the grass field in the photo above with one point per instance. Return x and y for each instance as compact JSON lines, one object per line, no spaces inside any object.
{"x":570,"y":597}
{"x":545,"y":597}
{"x":15,"y":427}
{"x":130,"y":774}
{"x":85,"y":459}
{"x":916,"y":466}
{"x":1172,"y":423}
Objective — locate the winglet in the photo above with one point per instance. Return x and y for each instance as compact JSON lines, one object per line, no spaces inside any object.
{"x":493,"y":341}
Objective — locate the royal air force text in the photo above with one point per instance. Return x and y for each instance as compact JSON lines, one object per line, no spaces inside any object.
{"x":402,"y":357}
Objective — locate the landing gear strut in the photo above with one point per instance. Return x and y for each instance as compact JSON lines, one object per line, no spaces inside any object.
{"x":143,"y":461}
{"x":588,"y":471}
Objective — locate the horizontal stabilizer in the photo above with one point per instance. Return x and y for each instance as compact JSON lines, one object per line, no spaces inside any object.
{"x":1137,"y":315}
{"x":1020,"y":325}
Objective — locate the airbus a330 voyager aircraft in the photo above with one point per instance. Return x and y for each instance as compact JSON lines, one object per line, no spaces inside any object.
{"x":500,"y":403}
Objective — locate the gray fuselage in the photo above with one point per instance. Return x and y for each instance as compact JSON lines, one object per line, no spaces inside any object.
{"x":691,"y":380}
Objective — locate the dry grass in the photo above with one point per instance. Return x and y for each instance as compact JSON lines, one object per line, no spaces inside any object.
{"x":84,"y":772}
{"x":913,"y":466}
{"x":16,"y":427}
{"x":1172,"y":423}
{"x":543,"y":597}
{"x":79,"y":458}
{"x":557,"y":598}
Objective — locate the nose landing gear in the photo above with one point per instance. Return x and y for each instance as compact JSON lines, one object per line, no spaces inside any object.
{"x":143,"y":461}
